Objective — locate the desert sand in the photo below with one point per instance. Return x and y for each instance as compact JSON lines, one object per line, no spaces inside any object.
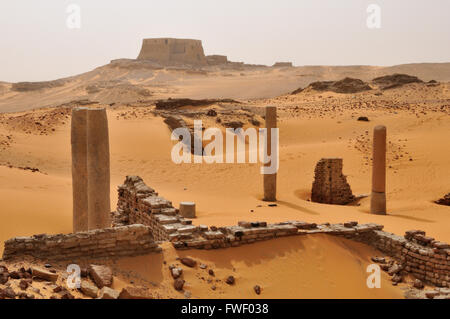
{"x":35,"y":171}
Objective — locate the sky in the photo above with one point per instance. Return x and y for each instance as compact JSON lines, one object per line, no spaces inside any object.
{"x":36,"y":43}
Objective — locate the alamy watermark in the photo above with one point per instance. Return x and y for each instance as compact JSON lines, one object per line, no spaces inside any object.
{"x":374,"y":18}
{"x":374,"y":279}
{"x":73,"y":20}
{"x":213,"y":151}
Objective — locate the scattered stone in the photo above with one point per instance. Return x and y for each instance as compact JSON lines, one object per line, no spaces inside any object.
{"x":9,"y":293}
{"x":430,"y":294}
{"x":444,"y":200}
{"x":67,"y":295}
{"x":350,"y":224}
{"x":397,"y":278}
{"x":257,"y":289}
{"x":102,"y":275}
{"x":88,"y":289}
{"x":178,"y":284}
{"x":213,"y":287}
{"x":188,"y":262}
{"x":48,"y":266}
{"x":418,"y":284}
{"x":203,"y":266}
{"x":108,"y":293}
{"x":176,"y":272}
{"x":14,"y":275}
{"x":187,"y":294}
{"x":379,"y":260}
{"x":23,"y":284}
{"x":211,"y":112}
{"x":135,"y":293}
{"x":57,"y":289}
{"x":363,"y":119}
{"x":211,"y":272}
{"x":230,"y":280}
{"x":44,"y":274}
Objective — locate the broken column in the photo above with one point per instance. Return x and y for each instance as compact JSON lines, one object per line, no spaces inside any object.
{"x":270,"y":180}
{"x":187,"y":209}
{"x":330,"y":185}
{"x":98,"y":169}
{"x":378,"y":197}
{"x":79,"y":169}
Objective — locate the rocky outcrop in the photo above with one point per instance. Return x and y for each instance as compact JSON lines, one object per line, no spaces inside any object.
{"x":444,"y":200}
{"x":395,"y":80}
{"x":346,"y":85}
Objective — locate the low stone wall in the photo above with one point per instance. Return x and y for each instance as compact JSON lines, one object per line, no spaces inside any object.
{"x":121,"y":241}
{"x":419,"y":255}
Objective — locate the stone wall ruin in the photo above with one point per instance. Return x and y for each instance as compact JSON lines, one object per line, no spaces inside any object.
{"x":169,"y":51}
{"x":330,"y":184}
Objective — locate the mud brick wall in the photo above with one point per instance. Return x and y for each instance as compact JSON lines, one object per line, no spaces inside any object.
{"x":121,"y":241}
{"x":420,"y":255}
{"x":138,"y":203}
{"x":330,"y":185}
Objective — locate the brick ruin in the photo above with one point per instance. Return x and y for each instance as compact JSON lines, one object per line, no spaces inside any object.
{"x":415,"y":253}
{"x":330,"y":184}
{"x":129,"y":240}
{"x":169,"y":51}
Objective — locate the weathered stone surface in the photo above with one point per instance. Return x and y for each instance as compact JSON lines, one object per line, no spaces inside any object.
{"x":188,"y":262}
{"x":88,"y":289}
{"x":108,"y":293}
{"x":230,"y":280}
{"x":176,"y":272}
{"x":101,"y":275}
{"x":178,"y":284}
{"x":135,"y":293}
{"x":257,"y":289}
{"x":330,"y":184}
{"x":44,"y":274}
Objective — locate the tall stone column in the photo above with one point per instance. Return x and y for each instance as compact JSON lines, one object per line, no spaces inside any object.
{"x":270,"y":180}
{"x":378,"y":197}
{"x":98,"y":169}
{"x":79,"y":169}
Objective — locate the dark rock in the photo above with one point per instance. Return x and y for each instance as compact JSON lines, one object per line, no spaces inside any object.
{"x":418,"y":284}
{"x":14,"y":275}
{"x":257,"y":289}
{"x":379,"y":260}
{"x":9,"y":293}
{"x":178,"y":284}
{"x":211,"y":272}
{"x":363,"y":119}
{"x":230,"y":280}
{"x":23,"y":284}
{"x":211,"y":112}
{"x":444,"y":200}
{"x":188,"y":262}
{"x":395,"y":80}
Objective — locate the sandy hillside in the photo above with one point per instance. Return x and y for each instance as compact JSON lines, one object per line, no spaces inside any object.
{"x":138,"y":83}
{"x":35,"y":182}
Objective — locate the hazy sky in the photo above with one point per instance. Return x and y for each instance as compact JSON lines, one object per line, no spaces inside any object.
{"x":36,"y":43}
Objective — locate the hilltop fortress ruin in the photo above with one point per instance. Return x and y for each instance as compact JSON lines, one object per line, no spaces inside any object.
{"x":172,"y":52}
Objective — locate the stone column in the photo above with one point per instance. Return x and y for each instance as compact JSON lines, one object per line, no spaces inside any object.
{"x":270,"y":180}
{"x":79,"y":169}
{"x":98,"y":169}
{"x":378,"y":197}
